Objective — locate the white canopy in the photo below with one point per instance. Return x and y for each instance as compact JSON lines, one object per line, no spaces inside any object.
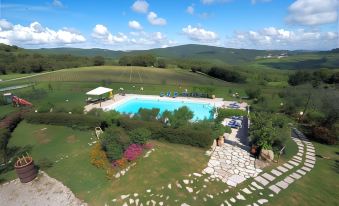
{"x":99,"y":91}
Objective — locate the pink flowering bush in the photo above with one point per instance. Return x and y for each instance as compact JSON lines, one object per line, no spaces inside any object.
{"x":133,"y":152}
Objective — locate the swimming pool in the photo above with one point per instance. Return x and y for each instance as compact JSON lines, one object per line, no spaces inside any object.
{"x":200,"y":110}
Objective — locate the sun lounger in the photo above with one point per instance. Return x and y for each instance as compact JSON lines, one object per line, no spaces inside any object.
{"x":175,"y":94}
{"x":168,"y":94}
{"x":162,"y":94}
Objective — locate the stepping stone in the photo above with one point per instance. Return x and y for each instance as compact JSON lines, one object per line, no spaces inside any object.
{"x":189,"y":189}
{"x":300,"y":154}
{"x":309,"y":165}
{"x":271,"y":195}
{"x":184,"y":204}
{"x":186,"y":182}
{"x":282,"y":184}
{"x":276,"y":172}
{"x":298,"y":158}
{"x":268,"y":177}
{"x":289,"y":180}
{"x":288,"y":166}
{"x":310,"y":157}
{"x":306,"y":169}
{"x":283,"y":169}
{"x":169,"y":186}
{"x":262,"y":201}
{"x":240,"y":196}
{"x":310,"y":161}
{"x":197,"y":174}
{"x":293,"y":163}
{"x":261,"y":180}
{"x":302,"y":172}
{"x":252,"y":188}
{"x":228,"y":204}
{"x":295,"y":175}
{"x":256,"y":185}
{"x":232,"y":200}
{"x":247,"y":191}
{"x":274,"y":188}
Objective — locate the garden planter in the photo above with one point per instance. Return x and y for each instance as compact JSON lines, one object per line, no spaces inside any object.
{"x":254,"y":150}
{"x":25,"y":169}
{"x":266,"y":155}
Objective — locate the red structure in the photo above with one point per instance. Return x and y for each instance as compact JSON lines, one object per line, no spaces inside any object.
{"x":20,"y":102}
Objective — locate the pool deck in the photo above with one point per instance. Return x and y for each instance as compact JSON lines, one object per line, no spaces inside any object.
{"x":119,"y":99}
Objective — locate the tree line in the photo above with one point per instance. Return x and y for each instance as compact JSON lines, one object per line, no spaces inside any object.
{"x":16,"y":60}
{"x":315,"y":77}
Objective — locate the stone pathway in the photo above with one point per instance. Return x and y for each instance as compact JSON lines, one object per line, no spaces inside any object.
{"x":273,"y":182}
{"x":231,"y":163}
{"x":201,"y":188}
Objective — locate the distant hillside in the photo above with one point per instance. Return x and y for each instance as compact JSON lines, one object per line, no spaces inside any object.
{"x":190,"y":51}
{"x":277,"y":59}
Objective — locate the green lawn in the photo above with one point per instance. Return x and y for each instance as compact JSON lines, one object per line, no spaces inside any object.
{"x":6,"y":109}
{"x":167,"y":163}
{"x":320,"y":186}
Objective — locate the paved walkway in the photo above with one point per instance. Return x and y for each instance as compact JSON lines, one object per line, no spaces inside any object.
{"x":278,"y":179}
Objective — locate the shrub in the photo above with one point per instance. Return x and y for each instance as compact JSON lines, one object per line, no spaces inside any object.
{"x":98,"y":156}
{"x":147,"y":114}
{"x":140,"y":136}
{"x":77,"y":121}
{"x":4,"y":139}
{"x":253,"y":92}
{"x":108,"y":117}
{"x":189,"y":134}
{"x":323,"y":135}
{"x":114,"y":150}
{"x":133,"y":152}
{"x":179,"y":117}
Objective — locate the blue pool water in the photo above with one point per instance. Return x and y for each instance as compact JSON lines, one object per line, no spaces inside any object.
{"x":200,"y":110}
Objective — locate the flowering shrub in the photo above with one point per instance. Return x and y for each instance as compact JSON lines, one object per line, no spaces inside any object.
{"x":133,"y":152}
{"x":98,"y":157}
{"x":148,"y":146}
{"x":119,"y":163}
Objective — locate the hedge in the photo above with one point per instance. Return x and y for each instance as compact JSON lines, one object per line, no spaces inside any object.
{"x":187,"y":135}
{"x":77,"y":121}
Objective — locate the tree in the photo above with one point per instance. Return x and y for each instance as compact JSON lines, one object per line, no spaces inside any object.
{"x":181,"y":117}
{"x":253,"y":92}
{"x":161,"y":63}
{"x":98,"y":61}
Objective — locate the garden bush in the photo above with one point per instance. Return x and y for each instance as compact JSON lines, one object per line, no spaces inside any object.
{"x":114,"y":142}
{"x":188,"y":135}
{"x":133,"y":152}
{"x":147,"y":114}
{"x":98,"y":156}
{"x":140,"y":136}
{"x":76,"y":121}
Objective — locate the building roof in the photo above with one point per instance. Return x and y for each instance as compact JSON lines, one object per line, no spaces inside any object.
{"x":99,"y":91}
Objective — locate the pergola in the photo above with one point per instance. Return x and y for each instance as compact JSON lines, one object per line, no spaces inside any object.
{"x":99,"y":92}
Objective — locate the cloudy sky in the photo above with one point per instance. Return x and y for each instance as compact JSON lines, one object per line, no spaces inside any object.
{"x":144,"y":24}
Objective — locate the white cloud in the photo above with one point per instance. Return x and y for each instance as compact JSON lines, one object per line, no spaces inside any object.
{"x":132,"y":40}
{"x":5,"y":25}
{"x":102,"y":34}
{"x":200,"y":34}
{"x":57,"y":3}
{"x":190,"y":9}
{"x":134,"y":25}
{"x":155,"y":20}
{"x":140,"y":6}
{"x":313,"y":12}
{"x":36,"y":34}
{"x":274,"y":38}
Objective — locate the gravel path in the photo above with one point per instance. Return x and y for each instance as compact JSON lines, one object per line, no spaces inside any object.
{"x":44,"y":190}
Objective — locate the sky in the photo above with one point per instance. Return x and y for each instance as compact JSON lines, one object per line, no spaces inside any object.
{"x":145,"y":24}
